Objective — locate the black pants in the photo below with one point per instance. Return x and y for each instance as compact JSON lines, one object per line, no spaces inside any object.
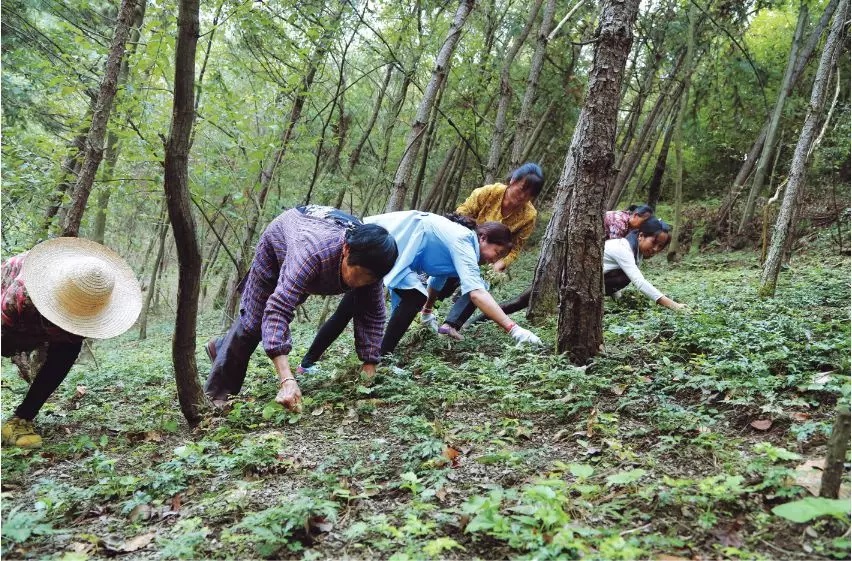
{"x":233,"y":352}
{"x":58,"y":362}
{"x":614,"y":281}
{"x":410,"y":303}
{"x":462,"y":309}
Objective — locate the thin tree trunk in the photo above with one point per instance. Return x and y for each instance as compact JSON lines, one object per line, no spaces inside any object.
{"x":112,"y":145}
{"x":94,"y":150}
{"x":176,"y":186}
{"x":522,"y":128}
{"x":415,"y":137}
{"x":678,"y":137}
{"x":69,"y":170}
{"x":655,"y":187}
{"x":355,"y":155}
{"x":838,"y":445}
{"x":784,"y":222}
{"x":443,"y":171}
{"x":427,"y":148}
{"x":769,"y":142}
{"x":152,"y":284}
{"x":569,"y":273}
{"x":506,"y":95}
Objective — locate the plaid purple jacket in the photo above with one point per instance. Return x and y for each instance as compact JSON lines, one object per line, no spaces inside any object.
{"x":297,"y":256}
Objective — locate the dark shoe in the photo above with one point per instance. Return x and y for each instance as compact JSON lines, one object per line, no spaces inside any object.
{"x":210,"y":347}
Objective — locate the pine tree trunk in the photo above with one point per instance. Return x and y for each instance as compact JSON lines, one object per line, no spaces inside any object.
{"x":506,"y":95}
{"x":784,"y":222}
{"x":522,"y":129}
{"x":94,"y":150}
{"x":415,"y":137}
{"x":569,"y":273}
{"x":176,"y":186}
{"x":772,"y":130}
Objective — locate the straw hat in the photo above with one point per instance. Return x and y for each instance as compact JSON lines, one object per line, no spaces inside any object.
{"x":82,"y":287}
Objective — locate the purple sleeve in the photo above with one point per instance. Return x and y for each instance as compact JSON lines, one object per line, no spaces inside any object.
{"x":369,"y":320}
{"x":290,"y":291}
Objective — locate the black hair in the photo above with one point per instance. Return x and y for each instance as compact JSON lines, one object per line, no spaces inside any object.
{"x":371,"y":247}
{"x":651,"y":227}
{"x":461,"y":219}
{"x":641,"y":209}
{"x":496,"y":233}
{"x":532,"y":176}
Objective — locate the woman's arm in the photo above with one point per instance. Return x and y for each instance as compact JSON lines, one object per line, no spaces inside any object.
{"x":486,"y":303}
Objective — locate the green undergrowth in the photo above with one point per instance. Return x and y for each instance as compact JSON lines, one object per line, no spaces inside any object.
{"x":679,"y":440}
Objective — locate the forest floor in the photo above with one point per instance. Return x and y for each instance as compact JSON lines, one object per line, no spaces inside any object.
{"x":676,"y":443}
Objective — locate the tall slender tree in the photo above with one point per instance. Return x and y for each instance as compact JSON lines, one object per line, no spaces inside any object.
{"x":94,"y":149}
{"x":418,"y":128}
{"x":176,"y":186}
{"x":570,"y":275}
{"x":795,"y":180}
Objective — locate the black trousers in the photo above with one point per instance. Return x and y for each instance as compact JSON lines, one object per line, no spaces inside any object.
{"x":233,"y":352}
{"x":614,"y":281}
{"x":58,"y":362}
{"x":461,"y":309}
{"x":410,"y":303}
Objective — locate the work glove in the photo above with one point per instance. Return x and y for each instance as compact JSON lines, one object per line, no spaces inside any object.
{"x":429,"y":320}
{"x":522,"y":335}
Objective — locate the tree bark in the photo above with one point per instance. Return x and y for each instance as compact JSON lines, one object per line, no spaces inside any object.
{"x":506,"y":95}
{"x":678,"y":136}
{"x":152,"y":284}
{"x":784,"y":222}
{"x":176,"y":186}
{"x":94,"y":150}
{"x":569,"y":272}
{"x":525,"y":113}
{"x":772,"y":130}
{"x":112,"y":145}
{"x":415,"y":137}
{"x":838,"y":445}
{"x":656,"y":185}
{"x":355,"y":155}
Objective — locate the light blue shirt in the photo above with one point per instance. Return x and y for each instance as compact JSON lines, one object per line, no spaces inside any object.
{"x":430,"y":244}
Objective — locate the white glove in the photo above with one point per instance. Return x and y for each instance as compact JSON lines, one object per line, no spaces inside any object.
{"x":522,"y":335}
{"x":429,"y":320}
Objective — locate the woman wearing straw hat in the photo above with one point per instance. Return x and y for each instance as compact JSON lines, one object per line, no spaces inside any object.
{"x":60,"y":292}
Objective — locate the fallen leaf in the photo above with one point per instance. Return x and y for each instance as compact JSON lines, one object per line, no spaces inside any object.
{"x":665,"y":557}
{"x":441,"y":494}
{"x":822,"y":378}
{"x":131,"y":545}
{"x":618,"y":389}
{"x":153,"y":436}
{"x":81,"y":391}
{"x":176,"y":503}
{"x":318,"y":411}
{"x":141,"y":512}
{"x":729,"y":536}
{"x":761,"y":424}
{"x":809,"y":475}
{"x":452,"y":455}
{"x":797,"y":416}
{"x":561,"y":435}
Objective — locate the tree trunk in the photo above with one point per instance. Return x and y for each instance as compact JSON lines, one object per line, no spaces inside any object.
{"x":838,"y":445}
{"x":415,"y":137}
{"x":427,"y":148}
{"x":94,"y":150}
{"x":784,"y":222}
{"x":112,"y":145}
{"x":152,"y":285}
{"x":678,"y":136}
{"x":506,"y":95}
{"x":772,"y":130}
{"x":176,"y":186}
{"x":569,"y":272}
{"x":668,"y":96}
{"x":355,"y":155}
{"x":656,"y":185}
{"x":522,"y":129}
{"x":443,"y":171}
{"x":69,"y":171}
